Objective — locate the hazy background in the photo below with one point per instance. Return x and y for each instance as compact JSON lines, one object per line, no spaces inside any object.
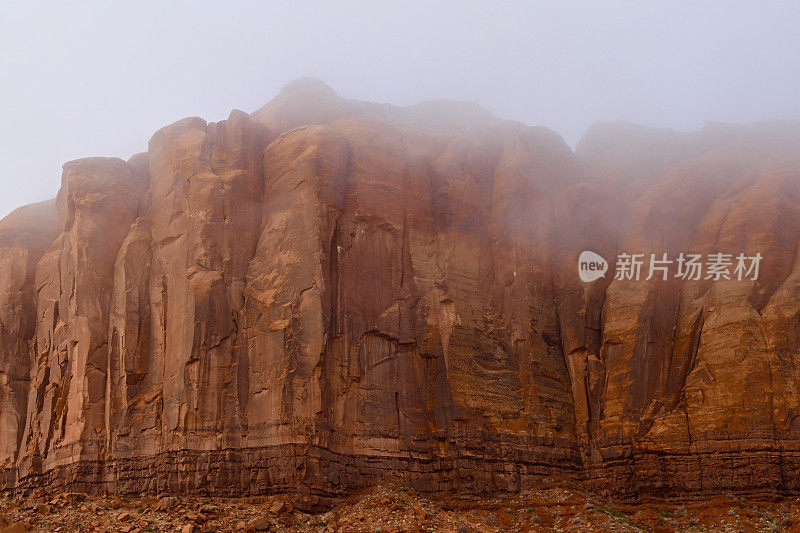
{"x":97,"y":78}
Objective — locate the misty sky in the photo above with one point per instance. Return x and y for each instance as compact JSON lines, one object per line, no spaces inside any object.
{"x":98,"y":78}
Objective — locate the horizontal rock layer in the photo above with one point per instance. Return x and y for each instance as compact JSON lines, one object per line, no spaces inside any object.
{"x":329,"y":293}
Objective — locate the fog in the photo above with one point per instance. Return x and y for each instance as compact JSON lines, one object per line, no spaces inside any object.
{"x":98,"y":78}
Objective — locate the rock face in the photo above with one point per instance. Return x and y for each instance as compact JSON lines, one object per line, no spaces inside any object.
{"x":326,"y":294}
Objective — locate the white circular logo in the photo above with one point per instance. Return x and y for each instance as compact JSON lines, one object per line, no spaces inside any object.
{"x":591,"y":266}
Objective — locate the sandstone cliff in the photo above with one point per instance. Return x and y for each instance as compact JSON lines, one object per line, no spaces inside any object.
{"x":329,"y":293}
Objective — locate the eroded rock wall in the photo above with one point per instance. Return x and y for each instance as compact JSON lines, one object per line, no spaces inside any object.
{"x":326,"y":293}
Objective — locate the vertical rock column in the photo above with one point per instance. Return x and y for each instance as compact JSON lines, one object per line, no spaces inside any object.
{"x":97,"y":202}
{"x":207,"y":188}
{"x":289,"y":299}
{"x":24,"y":236}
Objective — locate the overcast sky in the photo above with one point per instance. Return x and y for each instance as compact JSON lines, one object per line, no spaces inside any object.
{"x":98,"y":78}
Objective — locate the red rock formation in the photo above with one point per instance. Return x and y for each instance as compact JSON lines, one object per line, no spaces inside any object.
{"x":328,"y":293}
{"x":24,"y":236}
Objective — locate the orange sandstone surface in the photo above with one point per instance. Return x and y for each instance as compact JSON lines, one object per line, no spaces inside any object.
{"x":327,"y":295}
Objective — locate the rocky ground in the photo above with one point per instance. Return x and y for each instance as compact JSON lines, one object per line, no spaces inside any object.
{"x":552,"y":506}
